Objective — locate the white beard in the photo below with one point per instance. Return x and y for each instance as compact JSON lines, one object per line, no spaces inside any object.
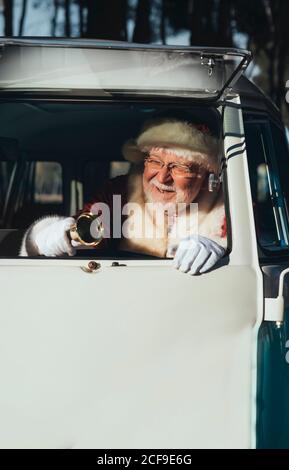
{"x":179,"y":198}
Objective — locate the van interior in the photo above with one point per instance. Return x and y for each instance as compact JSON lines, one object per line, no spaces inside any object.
{"x":54,"y":155}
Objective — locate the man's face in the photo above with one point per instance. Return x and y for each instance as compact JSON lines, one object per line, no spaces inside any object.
{"x":162,"y":184}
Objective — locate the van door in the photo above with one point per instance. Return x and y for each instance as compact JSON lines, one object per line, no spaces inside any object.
{"x":133,"y":354}
{"x":269,"y":175}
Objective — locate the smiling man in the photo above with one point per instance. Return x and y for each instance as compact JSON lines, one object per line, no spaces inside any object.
{"x":172,"y":183}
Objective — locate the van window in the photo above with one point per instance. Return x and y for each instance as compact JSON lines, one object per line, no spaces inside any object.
{"x":48,"y":183}
{"x":30,"y":190}
{"x":267,"y":183}
{"x":282,"y":155}
{"x":118,"y":168}
{"x":70,"y":156}
{"x":6,"y":171}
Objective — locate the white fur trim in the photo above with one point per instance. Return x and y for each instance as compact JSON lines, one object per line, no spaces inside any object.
{"x":183,"y":137}
{"x":211,"y":216}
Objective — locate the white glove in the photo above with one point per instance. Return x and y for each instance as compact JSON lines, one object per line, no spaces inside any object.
{"x":52,"y":239}
{"x":197,"y":254}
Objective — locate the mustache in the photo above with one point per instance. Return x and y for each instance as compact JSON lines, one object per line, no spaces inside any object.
{"x":163,"y":187}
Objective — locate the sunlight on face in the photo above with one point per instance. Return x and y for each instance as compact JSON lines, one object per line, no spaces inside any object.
{"x":161,"y":186}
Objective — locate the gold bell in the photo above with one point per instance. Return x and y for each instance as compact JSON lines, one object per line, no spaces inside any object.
{"x":88,"y":229}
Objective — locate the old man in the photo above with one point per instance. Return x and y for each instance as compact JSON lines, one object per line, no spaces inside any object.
{"x":170,"y":204}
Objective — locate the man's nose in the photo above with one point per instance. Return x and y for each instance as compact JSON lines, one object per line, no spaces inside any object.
{"x":164,"y":176}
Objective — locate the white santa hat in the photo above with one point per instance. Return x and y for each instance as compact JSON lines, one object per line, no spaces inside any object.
{"x":182,"y":138}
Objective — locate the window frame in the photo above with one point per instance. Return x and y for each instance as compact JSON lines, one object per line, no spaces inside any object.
{"x":138,"y":257}
{"x":3,"y":207}
{"x":33,"y":190}
{"x":263,"y":118}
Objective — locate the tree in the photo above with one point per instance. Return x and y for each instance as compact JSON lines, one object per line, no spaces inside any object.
{"x":8,"y":17}
{"x":178,"y":14}
{"x":163,"y":14}
{"x":224,"y":30}
{"x":106,"y":19}
{"x":67,"y":18}
{"x":54,"y":18}
{"x":142,"y":30}
{"x":211,"y":23}
{"x":265,"y":23}
{"x":81,"y":18}
{"x":22,"y":17}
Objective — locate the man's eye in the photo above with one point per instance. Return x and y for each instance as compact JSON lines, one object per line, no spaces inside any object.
{"x":183,"y":169}
{"x":154,"y":162}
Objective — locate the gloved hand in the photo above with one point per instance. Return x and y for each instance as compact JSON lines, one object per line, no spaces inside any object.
{"x":196,"y":254}
{"x":53,"y":240}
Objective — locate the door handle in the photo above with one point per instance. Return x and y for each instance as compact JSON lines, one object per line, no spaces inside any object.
{"x":91,"y":268}
{"x":274,"y":307}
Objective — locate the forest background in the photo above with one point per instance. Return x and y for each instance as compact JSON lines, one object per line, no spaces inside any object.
{"x":258,"y":25}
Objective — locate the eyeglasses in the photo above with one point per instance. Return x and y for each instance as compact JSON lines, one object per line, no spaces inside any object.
{"x":175,"y":169}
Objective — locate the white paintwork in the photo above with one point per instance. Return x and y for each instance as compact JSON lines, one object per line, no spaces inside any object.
{"x":274,"y":307}
{"x":241,"y":209}
{"x":136,"y":356}
{"x":244,"y":246}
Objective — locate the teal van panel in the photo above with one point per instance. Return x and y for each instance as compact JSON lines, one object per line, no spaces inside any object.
{"x":273,"y":386}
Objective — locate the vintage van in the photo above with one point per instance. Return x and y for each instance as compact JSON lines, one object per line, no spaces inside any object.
{"x":126,"y":352}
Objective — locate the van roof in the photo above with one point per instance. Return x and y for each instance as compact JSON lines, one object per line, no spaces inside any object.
{"x":252,"y":97}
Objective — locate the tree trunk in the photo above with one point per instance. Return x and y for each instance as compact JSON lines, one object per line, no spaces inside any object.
{"x":224,"y":36}
{"x":124,"y":15}
{"x":163,"y":21}
{"x":142,"y":30}
{"x":281,"y":12}
{"x":196,"y":22}
{"x":8,"y":16}
{"x":81,"y":18}
{"x":106,"y":19}
{"x":54,"y":19}
{"x":22,"y":18}
{"x":211,"y":22}
{"x":67,"y":18}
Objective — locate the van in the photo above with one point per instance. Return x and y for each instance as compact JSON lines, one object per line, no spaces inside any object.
{"x":116,"y":349}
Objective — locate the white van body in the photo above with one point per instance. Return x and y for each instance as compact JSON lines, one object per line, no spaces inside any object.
{"x":137,"y":355}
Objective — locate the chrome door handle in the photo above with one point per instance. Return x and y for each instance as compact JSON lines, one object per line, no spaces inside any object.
{"x":91,"y":268}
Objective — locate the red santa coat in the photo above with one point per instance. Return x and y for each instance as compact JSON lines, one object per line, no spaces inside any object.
{"x":134,"y":225}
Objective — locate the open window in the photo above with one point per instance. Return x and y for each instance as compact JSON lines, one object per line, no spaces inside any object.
{"x":269,"y":172}
{"x":114,"y":69}
{"x":66,"y":152}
